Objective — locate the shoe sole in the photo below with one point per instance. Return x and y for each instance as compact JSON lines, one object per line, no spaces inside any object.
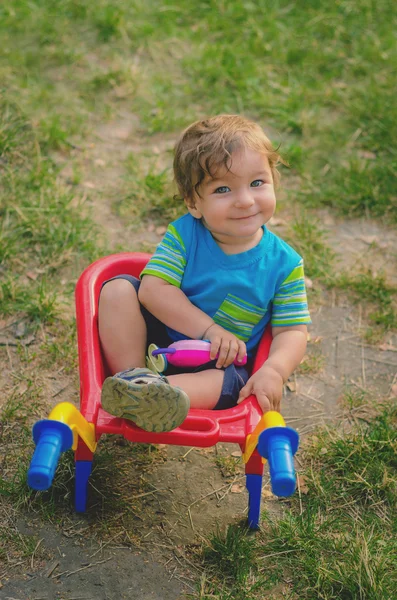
{"x":152,"y":406}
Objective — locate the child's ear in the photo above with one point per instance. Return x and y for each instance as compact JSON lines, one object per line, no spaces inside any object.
{"x":194,"y":211}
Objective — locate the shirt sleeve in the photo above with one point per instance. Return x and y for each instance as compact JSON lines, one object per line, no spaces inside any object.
{"x":169,"y":260}
{"x":290,"y":302}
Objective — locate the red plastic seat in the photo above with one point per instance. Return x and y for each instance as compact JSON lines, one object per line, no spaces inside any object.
{"x":201,"y":428}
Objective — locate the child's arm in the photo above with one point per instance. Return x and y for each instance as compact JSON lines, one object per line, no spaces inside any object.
{"x":286,"y":352}
{"x":172,"y":307}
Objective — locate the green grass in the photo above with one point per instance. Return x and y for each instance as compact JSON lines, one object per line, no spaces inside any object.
{"x":320,"y":77}
{"x":39,"y":215}
{"x":232,"y":554}
{"x":147,"y":192}
{"x":338,"y":540}
{"x":44,"y":227}
{"x":24,"y":403}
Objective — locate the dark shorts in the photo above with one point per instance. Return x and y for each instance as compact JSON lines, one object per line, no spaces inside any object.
{"x":235,"y":377}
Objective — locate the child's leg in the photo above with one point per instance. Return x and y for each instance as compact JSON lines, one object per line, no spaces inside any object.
{"x":212,"y":388}
{"x":122,"y":328}
{"x":203,"y":388}
{"x":135,"y":392}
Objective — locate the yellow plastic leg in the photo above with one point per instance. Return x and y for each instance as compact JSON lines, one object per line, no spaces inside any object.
{"x":67,"y":413}
{"x":270,"y":419}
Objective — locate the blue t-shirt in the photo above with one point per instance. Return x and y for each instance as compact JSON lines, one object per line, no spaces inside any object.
{"x":241,"y":292}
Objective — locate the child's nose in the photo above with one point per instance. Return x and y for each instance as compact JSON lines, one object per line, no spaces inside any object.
{"x":245,"y":198}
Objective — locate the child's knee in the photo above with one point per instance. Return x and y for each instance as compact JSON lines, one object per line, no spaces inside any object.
{"x":116,"y":292}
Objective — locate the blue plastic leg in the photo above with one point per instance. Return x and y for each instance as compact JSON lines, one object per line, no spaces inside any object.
{"x":254,"y":487}
{"x":83,"y":472}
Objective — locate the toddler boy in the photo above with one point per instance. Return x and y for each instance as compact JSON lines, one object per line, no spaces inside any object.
{"x":218,"y":274}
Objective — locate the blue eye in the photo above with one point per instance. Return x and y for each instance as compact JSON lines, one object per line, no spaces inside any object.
{"x":222,"y":190}
{"x":257,"y":183}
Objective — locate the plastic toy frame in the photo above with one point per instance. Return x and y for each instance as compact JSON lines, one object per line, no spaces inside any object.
{"x":202,"y":428}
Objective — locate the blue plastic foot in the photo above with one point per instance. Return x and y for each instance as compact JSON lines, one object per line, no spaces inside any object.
{"x":278,"y":445}
{"x":83,"y":472}
{"x":254,"y":487}
{"x":51,"y":438}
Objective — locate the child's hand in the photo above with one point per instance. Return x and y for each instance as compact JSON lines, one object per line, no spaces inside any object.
{"x":226,"y":344}
{"x":267,"y":385}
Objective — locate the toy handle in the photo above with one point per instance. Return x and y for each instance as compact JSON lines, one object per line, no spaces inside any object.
{"x":52,"y":438}
{"x":163,"y":351}
{"x":278,"y":445}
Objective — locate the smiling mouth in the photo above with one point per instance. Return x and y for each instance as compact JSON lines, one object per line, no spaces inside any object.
{"x":244,"y":218}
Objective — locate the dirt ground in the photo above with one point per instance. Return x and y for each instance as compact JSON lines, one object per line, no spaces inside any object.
{"x":191,"y":493}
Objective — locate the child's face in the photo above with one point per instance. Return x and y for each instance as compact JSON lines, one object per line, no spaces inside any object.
{"x":235,"y":204}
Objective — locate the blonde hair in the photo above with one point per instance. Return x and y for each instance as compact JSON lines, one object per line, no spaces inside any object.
{"x":208,"y":144}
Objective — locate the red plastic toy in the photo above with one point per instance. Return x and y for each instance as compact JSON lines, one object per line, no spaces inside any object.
{"x":201,"y":428}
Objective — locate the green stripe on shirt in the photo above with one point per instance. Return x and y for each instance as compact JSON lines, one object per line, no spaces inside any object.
{"x":290,"y":302}
{"x":169,"y":261}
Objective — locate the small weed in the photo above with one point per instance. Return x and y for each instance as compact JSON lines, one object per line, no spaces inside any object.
{"x":109,"y":22}
{"x":37,"y":301}
{"x":231,"y":553}
{"x":76,"y":177}
{"x":42,"y":306}
{"x":228,"y":465}
{"x":27,"y":355}
{"x":53,"y":133}
{"x":60,"y":347}
{"x":105,"y":81}
{"x":313,"y":362}
{"x":353,"y":398}
{"x":373,"y":335}
{"x":116,"y":83}
{"x":15,"y":132}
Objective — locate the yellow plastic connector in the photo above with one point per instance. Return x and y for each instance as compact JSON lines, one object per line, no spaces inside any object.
{"x":270,"y":419}
{"x":67,"y":413}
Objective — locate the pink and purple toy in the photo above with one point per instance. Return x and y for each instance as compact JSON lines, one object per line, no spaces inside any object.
{"x":190,"y":353}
